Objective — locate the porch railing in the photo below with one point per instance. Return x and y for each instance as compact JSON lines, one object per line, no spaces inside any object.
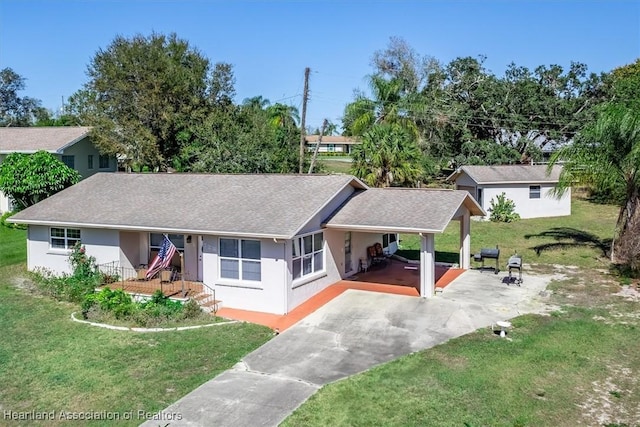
{"x":134,"y":279}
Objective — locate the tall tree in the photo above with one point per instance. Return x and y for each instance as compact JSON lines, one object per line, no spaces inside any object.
{"x":29,"y":178}
{"x":606,"y":155}
{"x":16,"y":110}
{"x":143,"y":96}
{"x":388,"y":156}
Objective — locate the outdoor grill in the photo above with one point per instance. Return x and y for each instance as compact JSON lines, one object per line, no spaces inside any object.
{"x":515,"y":263}
{"x":488,"y":253}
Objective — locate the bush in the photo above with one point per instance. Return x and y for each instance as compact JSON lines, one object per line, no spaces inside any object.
{"x":503,"y":209}
{"x":116,"y":301}
{"x":4,"y":223}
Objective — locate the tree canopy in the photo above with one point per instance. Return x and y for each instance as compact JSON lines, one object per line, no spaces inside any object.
{"x":457,"y":109}
{"x":14,"y":109}
{"x":29,"y":178}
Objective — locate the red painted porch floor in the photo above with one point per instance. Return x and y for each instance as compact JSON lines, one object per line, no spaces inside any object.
{"x":392,"y":279}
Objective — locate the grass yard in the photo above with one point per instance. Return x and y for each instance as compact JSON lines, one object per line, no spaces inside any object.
{"x":579,"y":366}
{"x":581,"y":239}
{"x":48,"y":362}
{"x":13,"y":247}
{"x":336,"y":165}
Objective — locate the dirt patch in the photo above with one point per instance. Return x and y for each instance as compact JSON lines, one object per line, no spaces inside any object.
{"x":611,"y":401}
{"x":23,"y":283}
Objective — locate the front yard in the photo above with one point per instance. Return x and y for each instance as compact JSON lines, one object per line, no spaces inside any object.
{"x":49,"y":363}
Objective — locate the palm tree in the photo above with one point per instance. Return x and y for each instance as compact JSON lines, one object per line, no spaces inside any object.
{"x":284,"y":116}
{"x":605,"y":156}
{"x":389,"y":104}
{"x":388,"y":156}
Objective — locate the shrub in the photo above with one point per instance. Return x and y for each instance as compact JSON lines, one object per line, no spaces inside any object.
{"x":503,"y":209}
{"x":116,"y":301}
{"x":4,"y":223}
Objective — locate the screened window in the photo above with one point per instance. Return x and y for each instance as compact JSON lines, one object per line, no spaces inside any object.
{"x":90,"y":161}
{"x":69,"y":161}
{"x":240,"y":259}
{"x":534,"y":191}
{"x":308,"y":255}
{"x":103,"y":162}
{"x":64,"y":238}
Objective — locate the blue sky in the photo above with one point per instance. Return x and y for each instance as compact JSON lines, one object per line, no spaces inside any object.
{"x":269,"y":43}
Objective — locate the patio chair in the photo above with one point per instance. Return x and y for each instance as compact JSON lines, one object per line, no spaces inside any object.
{"x":376,"y":254}
{"x":166,"y":276}
{"x":141,"y":272}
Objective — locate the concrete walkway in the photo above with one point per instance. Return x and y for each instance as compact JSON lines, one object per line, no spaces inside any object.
{"x":350,"y":334}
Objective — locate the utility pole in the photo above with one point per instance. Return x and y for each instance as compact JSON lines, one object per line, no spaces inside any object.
{"x":305,"y":97}
{"x":325,"y":123}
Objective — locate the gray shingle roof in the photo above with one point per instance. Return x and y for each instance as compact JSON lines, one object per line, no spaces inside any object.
{"x":508,"y":173}
{"x":252,"y":205}
{"x":31,"y":139}
{"x":402,"y":209}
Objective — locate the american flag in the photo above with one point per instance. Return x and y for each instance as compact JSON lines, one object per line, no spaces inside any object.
{"x":163,"y":259}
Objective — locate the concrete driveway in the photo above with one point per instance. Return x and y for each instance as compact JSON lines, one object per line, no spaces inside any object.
{"x":352,"y":333}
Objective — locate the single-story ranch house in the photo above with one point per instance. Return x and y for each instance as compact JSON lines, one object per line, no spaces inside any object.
{"x":262,"y":242}
{"x":529,"y":186}
{"x":331,"y":144}
{"x":71,"y":145}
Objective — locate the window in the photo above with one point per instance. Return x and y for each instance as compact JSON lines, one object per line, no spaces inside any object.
{"x":387,"y":239}
{"x":534,"y":191}
{"x":90,"y":161}
{"x":155,"y":242}
{"x":69,"y":161}
{"x":103,"y":161}
{"x":308,"y":255}
{"x":64,"y":238}
{"x":240,"y":259}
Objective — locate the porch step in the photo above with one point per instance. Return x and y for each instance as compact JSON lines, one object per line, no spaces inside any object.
{"x":207,"y":302}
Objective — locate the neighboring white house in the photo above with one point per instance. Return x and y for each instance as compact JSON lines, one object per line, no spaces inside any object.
{"x":529,"y":186}
{"x":331,"y":144}
{"x":262,"y":242}
{"x":71,"y":145}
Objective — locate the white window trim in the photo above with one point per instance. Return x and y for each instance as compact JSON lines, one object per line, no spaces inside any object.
{"x":67,"y":248}
{"x":539,"y":192}
{"x":314,"y":275}
{"x":240,"y":279}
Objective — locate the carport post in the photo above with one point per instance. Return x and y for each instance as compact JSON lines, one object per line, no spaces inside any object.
{"x":465,"y":241}
{"x":427,"y":265}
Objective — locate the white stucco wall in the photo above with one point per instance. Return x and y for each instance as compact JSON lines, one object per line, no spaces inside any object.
{"x":546,"y":206}
{"x":268,"y":295}
{"x":104,"y":245}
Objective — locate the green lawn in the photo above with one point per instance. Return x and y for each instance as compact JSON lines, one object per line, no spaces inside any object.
{"x":48,"y":362}
{"x":580,"y":239}
{"x":336,"y":165}
{"x":13,"y":247}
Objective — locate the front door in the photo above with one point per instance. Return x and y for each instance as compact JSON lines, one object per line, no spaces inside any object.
{"x":347,"y":252}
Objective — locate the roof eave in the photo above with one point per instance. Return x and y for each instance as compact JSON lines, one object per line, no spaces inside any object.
{"x":380,"y":229}
{"x":148,"y":229}
{"x":73,"y":142}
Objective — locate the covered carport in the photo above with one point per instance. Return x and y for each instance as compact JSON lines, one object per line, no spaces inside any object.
{"x":417,"y":211}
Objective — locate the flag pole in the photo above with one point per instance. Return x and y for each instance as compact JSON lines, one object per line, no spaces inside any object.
{"x":182,"y":272}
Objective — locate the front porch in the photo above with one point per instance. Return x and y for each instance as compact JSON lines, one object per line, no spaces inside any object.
{"x":133,"y":281}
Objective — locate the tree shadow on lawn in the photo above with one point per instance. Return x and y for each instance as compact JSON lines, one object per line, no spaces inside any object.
{"x":567,"y":237}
